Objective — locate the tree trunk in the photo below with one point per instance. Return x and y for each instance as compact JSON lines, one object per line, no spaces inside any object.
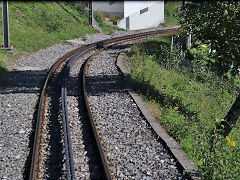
{"x":231,"y":117}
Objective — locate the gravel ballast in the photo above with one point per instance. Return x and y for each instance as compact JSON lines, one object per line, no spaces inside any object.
{"x":19,"y":93}
{"x":131,"y":147}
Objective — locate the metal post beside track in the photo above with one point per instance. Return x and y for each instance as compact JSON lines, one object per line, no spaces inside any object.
{"x":90,"y":12}
{"x":5,"y":24}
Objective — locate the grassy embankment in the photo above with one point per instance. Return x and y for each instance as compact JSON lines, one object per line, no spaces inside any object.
{"x":37,"y":25}
{"x":188,"y":105}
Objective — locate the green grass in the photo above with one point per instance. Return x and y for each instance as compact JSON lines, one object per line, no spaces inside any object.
{"x":114,"y":19}
{"x":171,"y":13}
{"x":187,"y":109}
{"x":37,"y":25}
{"x":106,"y":28}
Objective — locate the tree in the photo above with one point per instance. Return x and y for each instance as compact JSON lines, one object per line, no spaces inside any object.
{"x":218,"y":23}
{"x":231,"y":118}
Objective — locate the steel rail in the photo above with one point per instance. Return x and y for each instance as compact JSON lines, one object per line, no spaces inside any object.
{"x":40,"y":115}
{"x":42,"y":100}
{"x":66,"y":129}
{"x":90,"y":116}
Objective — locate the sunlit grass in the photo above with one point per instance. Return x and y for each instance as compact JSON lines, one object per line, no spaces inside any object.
{"x":188,"y":109}
{"x":37,"y":25}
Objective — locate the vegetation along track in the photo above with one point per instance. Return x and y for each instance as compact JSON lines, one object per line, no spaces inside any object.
{"x":53,"y":78}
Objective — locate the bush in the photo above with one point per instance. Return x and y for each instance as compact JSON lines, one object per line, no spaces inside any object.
{"x":218,"y":23}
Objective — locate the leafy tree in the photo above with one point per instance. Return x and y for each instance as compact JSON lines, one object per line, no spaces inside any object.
{"x":217,"y":23}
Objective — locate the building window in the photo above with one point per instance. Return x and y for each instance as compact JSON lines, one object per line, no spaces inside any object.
{"x":143,"y":10}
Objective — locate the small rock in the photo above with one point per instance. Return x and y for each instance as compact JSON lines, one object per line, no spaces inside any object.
{"x":21,"y":131}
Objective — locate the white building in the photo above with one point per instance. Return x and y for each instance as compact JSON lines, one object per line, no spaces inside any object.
{"x":136,"y":14}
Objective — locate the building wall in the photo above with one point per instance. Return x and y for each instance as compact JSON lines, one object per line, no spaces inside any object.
{"x":141,"y":15}
{"x":131,"y":7}
{"x":109,"y":7}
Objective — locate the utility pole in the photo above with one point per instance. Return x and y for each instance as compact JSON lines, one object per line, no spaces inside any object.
{"x":5,"y":24}
{"x":90,"y":12}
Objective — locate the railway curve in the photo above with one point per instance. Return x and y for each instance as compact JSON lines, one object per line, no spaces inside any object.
{"x":65,"y":63}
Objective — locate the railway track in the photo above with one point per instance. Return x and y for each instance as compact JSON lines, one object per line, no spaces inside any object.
{"x":82,"y":149}
{"x":66,"y":158}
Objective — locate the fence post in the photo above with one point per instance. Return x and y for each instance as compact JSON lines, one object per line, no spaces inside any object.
{"x":189,"y":40}
{"x":171,"y":48}
{"x":5,"y":24}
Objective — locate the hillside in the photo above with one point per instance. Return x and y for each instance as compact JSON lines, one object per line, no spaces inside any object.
{"x":36,"y":25}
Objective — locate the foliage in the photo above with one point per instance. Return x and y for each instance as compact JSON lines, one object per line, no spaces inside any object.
{"x":195,"y":62}
{"x":172,"y":10}
{"x":108,"y":29}
{"x":114,"y":19}
{"x":217,"y":24}
{"x":80,"y":6}
{"x":219,"y":157}
{"x":187,"y":108}
{"x":199,"y":54}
